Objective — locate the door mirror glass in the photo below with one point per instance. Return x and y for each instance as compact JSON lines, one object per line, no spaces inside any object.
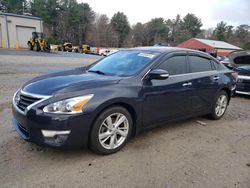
{"x":158,"y":74}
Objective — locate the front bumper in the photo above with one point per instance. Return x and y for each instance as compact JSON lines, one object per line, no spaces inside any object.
{"x":243,"y":85}
{"x":67,"y":131}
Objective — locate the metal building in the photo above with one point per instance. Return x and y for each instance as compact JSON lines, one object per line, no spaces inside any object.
{"x":15,"y":30}
{"x":212,"y":46}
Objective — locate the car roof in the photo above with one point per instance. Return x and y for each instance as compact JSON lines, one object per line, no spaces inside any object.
{"x":163,"y":49}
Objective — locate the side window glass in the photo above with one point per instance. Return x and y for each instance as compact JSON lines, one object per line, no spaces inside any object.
{"x":175,"y":65}
{"x":199,"y":64}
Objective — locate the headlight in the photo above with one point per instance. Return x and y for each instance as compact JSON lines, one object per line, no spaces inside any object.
{"x":16,"y":98}
{"x":68,"y":106}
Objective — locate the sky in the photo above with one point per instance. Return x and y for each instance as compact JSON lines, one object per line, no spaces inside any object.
{"x":234,"y":12}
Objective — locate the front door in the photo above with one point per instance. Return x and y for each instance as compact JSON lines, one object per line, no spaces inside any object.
{"x":167,"y":99}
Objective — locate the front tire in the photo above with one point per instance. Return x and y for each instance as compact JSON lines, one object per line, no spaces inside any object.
{"x":111,"y":130}
{"x":220,"y":105}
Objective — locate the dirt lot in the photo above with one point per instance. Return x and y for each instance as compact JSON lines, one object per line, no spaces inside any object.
{"x":183,"y":154}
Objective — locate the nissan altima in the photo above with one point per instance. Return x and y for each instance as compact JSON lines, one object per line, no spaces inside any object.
{"x":103,"y":105}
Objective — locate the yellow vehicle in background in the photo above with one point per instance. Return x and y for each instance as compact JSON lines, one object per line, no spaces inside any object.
{"x":38,"y":43}
{"x":85,"y":49}
{"x":65,"y":46}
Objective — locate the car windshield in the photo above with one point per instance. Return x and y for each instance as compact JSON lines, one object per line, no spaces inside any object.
{"x":123,"y":63}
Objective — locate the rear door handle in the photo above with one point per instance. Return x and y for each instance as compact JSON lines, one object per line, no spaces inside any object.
{"x":216,"y":77}
{"x":187,"y":84}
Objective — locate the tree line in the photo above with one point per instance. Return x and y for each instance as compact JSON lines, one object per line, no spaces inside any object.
{"x":68,"y":20}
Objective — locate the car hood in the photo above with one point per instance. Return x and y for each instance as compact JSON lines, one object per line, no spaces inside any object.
{"x":243,"y":70}
{"x":67,"y":81}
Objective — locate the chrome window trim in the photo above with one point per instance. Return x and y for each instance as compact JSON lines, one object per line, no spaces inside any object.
{"x":191,"y":73}
{"x":41,"y":97}
{"x":145,"y":74}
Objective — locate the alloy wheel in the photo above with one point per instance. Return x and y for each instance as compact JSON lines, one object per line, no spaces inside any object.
{"x":221,"y":105}
{"x":113,"y":131}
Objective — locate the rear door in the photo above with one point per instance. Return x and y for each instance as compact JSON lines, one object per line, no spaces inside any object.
{"x":205,"y":82}
{"x":167,"y":99}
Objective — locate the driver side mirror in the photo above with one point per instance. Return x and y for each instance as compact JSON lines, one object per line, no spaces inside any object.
{"x":158,"y":74}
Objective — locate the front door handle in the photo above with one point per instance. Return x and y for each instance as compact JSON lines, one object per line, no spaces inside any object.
{"x":216,"y":78}
{"x":187,"y":84}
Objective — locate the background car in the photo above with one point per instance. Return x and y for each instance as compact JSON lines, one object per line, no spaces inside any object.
{"x":240,"y":61}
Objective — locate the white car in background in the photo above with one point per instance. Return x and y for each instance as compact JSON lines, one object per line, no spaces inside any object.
{"x":111,"y":51}
{"x":103,"y":51}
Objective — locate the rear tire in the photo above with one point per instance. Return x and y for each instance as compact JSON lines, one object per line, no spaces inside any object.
{"x":220,"y":105}
{"x":111,"y":130}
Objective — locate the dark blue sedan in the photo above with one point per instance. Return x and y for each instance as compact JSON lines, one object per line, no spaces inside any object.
{"x":103,"y":105}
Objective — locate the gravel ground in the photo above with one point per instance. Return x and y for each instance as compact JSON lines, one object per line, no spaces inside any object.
{"x":189,"y":153}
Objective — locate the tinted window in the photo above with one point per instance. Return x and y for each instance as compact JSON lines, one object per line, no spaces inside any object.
{"x":175,"y":65}
{"x":199,"y":64}
{"x":215,"y":64}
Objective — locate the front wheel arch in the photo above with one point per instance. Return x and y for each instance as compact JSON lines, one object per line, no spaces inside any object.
{"x":125,"y":105}
{"x":93,"y":143}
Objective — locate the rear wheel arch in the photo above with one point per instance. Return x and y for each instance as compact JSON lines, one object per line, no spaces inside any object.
{"x":222,"y":105}
{"x":228,"y":91}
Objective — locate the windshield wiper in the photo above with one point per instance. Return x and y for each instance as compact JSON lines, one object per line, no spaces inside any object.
{"x":97,"y":71}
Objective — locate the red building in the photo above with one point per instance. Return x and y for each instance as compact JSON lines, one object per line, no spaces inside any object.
{"x":210,"y":46}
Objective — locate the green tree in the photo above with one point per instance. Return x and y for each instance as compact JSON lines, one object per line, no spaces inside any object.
{"x":247,"y":46}
{"x":220,"y":31}
{"x":14,"y":6}
{"x":86,"y":19}
{"x":3,"y":5}
{"x":192,"y":24}
{"x":120,"y":24}
{"x":175,"y":30}
{"x":49,"y":11}
{"x":156,"y":31}
{"x":229,"y":33}
{"x":75,"y":21}
{"x":138,"y":34}
{"x":99,"y":35}
{"x":68,"y":21}
{"x":242,"y":34}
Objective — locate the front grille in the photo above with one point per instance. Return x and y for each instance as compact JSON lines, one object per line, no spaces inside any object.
{"x":25,"y":101}
{"x":243,"y":87}
{"x":246,"y":81}
{"x":247,"y":73}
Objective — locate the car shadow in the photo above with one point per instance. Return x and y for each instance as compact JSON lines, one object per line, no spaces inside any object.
{"x":142,"y":141}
